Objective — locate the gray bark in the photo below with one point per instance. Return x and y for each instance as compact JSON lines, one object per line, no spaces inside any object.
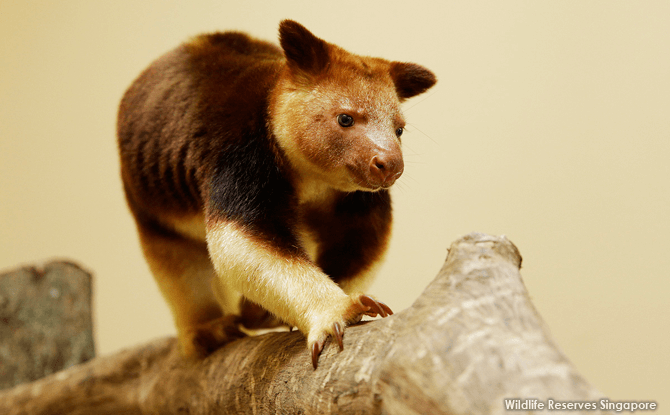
{"x":470,"y":340}
{"x":45,"y":321}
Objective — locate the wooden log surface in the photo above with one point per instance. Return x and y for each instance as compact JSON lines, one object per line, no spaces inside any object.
{"x":45,"y":321}
{"x":472,"y":339}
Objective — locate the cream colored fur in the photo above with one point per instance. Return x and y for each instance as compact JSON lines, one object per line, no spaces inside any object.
{"x":292,"y":288}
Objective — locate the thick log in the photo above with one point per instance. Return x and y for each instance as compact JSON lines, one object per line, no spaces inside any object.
{"x":472,"y":339}
{"x":45,"y":321}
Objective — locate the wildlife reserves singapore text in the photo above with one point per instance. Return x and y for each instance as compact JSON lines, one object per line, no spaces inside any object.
{"x":516,"y":404}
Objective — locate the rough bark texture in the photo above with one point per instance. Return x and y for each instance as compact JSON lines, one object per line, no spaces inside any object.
{"x":45,"y":321}
{"x":470,"y":340}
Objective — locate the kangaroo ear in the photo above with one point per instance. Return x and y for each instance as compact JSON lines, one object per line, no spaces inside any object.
{"x":304,"y":51}
{"x":411,"y":79}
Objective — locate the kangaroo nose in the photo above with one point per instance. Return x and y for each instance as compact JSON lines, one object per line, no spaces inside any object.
{"x":385,"y":168}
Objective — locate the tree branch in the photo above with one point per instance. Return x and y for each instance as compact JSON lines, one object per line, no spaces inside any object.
{"x":470,"y":340}
{"x":45,"y":321}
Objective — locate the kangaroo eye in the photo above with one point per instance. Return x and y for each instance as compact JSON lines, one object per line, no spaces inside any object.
{"x":345,"y":120}
{"x":399,"y":131}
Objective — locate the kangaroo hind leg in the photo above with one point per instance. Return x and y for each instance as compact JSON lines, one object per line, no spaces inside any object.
{"x":184,"y":273}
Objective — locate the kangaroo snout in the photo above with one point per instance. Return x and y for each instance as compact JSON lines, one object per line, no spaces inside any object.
{"x":386,"y":168}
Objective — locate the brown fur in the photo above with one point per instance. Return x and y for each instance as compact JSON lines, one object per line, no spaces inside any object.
{"x":247,"y":184}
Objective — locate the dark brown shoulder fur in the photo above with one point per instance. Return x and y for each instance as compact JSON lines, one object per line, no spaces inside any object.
{"x":193,"y":126}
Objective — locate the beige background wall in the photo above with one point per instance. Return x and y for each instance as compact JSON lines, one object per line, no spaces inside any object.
{"x":550,"y":124}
